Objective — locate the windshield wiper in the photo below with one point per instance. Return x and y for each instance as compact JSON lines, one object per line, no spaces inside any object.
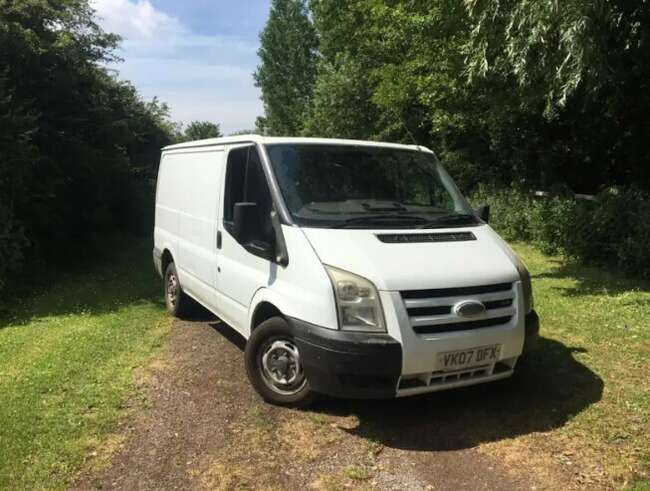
{"x":370,"y":219}
{"x":450,"y":219}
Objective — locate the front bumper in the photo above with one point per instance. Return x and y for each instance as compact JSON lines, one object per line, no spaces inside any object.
{"x":348,"y":364}
{"x":369,"y":366}
{"x":157,"y":261}
{"x":532,"y":332}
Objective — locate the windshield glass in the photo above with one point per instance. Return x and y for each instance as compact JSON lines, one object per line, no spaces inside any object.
{"x":367,"y":187}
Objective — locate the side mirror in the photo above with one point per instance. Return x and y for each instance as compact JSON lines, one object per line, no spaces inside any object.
{"x":483,"y":212}
{"x":245,"y":221}
{"x":248,"y":230}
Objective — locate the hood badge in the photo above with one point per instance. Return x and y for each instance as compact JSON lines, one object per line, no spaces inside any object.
{"x":469,"y":308}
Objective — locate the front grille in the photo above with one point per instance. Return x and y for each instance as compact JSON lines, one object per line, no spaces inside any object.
{"x":432,"y":311}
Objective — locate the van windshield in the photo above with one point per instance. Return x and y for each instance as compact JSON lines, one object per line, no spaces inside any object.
{"x":349,"y":186}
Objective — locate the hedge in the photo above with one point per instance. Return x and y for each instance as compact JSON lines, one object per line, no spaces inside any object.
{"x":612,"y":230}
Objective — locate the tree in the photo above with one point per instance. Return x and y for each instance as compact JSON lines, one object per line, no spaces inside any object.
{"x":200,"y":130}
{"x":287,"y":69}
{"x":554,"y":48}
{"x":91,"y":140}
{"x":16,"y":154}
{"x":341,"y":106}
{"x":584,"y":66}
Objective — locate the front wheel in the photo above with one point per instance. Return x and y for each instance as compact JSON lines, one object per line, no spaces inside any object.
{"x":274,"y":365}
{"x":176,"y":301}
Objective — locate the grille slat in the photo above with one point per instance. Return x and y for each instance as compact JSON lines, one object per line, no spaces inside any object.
{"x":462,"y":326}
{"x":435,"y":320}
{"x":498,"y":304}
{"x":427,"y":311}
{"x":454,"y":292}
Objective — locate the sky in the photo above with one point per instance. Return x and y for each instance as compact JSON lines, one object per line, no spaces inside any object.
{"x":198,"y":56}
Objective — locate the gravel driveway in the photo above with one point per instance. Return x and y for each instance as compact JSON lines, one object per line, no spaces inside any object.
{"x":197,"y":424}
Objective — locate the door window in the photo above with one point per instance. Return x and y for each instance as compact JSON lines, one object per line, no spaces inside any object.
{"x":246,"y":182}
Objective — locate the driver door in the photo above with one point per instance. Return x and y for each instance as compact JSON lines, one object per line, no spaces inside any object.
{"x":241,"y":272}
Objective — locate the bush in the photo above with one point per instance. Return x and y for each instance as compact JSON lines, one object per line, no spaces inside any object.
{"x":12,"y":244}
{"x":613,"y":230}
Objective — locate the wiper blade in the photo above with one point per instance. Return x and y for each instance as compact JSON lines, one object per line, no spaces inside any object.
{"x":370,"y":219}
{"x":450,"y":219}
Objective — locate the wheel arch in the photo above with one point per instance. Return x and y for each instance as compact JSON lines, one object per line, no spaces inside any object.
{"x":263,"y":311}
{"x":265,"y":304}
{"x":166,"y":259}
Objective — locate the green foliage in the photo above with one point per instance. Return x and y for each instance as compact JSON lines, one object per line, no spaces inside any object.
{"x":341,"y":106}
{"x":78,"y":148}
{"x":16,"y":152}
{"x":287,"y":69}
{"x":612,"y":230}
{"x":552,"y":48}
{"x":200,"y":130}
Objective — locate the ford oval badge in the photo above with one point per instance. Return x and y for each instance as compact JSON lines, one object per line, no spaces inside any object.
{"x":469,"y":308}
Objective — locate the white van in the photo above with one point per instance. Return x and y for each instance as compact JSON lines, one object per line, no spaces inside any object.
{"x":353,"y":268}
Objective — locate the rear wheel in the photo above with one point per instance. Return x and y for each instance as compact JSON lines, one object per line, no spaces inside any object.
{"x":274,"y":365}
{"x":177,"y":302}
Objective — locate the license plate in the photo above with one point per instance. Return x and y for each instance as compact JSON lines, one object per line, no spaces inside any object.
{"x":450,"y":361}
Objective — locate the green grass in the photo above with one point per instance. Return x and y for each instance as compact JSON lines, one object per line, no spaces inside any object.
{"x":604,"y":320}
{"x":356,"y":472}
{"x":67,"y":356}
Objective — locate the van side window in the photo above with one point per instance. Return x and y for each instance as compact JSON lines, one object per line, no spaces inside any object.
{"x":235,"y":177}
{"x":245,"y":181}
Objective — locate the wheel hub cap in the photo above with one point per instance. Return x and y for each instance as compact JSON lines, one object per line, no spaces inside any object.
{"x":281,"y":366}
{"x":172,"y":289}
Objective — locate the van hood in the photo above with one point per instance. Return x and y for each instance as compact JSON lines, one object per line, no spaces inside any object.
{"x":416,"y":265}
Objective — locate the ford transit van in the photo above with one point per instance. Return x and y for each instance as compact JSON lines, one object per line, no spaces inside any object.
{"x":352,"y":268}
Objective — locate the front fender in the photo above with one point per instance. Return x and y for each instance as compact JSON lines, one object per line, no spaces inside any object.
{"x":290,"y":306}
{"x":266,"y":295}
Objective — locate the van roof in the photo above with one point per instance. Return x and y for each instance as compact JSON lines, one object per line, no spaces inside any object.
{"x":267,"y":140}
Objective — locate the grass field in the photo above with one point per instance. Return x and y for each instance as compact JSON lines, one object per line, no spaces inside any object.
{"x":66,"y":361}
{"x":601,"y":394}
{"x":579,"y":408}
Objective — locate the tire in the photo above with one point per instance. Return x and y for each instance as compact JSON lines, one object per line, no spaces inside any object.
{"x":273,"y":365}
{"x":177,"y":302}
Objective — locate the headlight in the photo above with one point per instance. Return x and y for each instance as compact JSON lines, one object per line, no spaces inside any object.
{"x":526,"y":284}
{"x":357,"y":302}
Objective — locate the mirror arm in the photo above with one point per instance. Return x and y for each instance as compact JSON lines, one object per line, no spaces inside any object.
{"x":483,"y":212}
{"x":280,"y":249}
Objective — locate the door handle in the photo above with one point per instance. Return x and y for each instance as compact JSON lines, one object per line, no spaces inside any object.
{"x":218,"y":239}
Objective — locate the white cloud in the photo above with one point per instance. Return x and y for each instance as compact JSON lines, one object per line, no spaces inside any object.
{"x":135,"y":20}
{"x":200,"y":76}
